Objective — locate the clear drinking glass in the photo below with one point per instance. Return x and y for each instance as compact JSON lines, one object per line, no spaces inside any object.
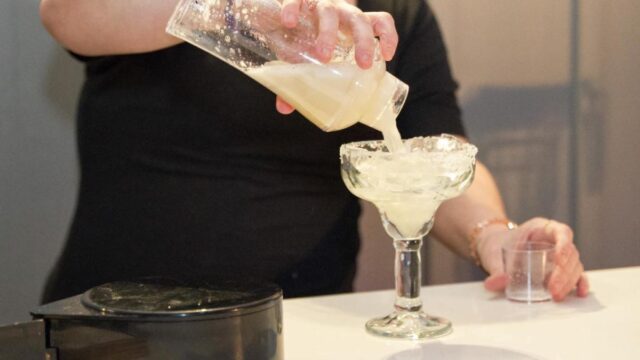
{"x":528,"y":265}
{"x":249,"y":35}
{"x":407,"y":188}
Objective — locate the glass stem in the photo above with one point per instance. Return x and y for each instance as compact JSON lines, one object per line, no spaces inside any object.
{"x":408,"y":274}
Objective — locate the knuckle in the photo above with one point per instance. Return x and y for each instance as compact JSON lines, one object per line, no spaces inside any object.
{"x":535,"y":222}
{"x":358,"y":17}
{"x":326,"y":40}
{"x":323,"y":6}
{"x":566,"y":228}
{"x":387,"y":18}
{"x":292,"y":2}
{"x":567,"y":249}
{"x":346,"y":8}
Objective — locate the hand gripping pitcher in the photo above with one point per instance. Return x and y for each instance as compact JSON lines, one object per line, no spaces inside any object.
{"x":248,"y":35}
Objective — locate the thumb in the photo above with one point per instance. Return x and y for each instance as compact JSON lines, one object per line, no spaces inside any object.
{"x":283,"y":107}
{"x":496,"y":282}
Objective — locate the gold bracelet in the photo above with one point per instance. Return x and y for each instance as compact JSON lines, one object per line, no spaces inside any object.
{"x":475,"y":232}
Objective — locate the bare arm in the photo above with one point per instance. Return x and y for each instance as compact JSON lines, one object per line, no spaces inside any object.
{"x":99,"y":27}
{"x":457,"y":218}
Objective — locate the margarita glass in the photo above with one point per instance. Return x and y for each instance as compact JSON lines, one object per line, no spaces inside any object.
{"x":407,"y":187}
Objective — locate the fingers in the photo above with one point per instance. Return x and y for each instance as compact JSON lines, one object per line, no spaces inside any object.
{"x":568,"y":270}
{"x":497,"y":282}
{"x":566,"y":252}
{"x":362,"y":32}
{"x":561,"y":232}
{"x":546,"y":230}
{"x":574,"y":277}
{"x":290,"y":12}
{"x":283,"y":107}
{"x":568,"y":273}
{"x":327,"y":31}
{"x":384,"y":27}
{"x":583,"y":286}
{"x":334,"y":15}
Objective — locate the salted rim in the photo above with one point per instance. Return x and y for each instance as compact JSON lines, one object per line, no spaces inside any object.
{"x":461,"y":147}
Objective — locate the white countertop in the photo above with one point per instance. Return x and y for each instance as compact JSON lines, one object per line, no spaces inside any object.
{"x":605,"y":325}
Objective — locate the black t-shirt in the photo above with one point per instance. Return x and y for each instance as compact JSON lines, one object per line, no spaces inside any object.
{"x":188,"y":171}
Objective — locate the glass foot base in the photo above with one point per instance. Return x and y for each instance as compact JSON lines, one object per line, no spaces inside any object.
{"x":409,"y":325}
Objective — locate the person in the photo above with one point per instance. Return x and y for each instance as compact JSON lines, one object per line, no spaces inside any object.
{"x":188,"y":171}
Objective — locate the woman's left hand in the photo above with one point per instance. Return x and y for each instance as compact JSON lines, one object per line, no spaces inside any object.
{"x":568,"y":273}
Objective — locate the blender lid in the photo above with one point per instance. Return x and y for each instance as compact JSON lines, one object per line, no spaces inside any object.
{"x":162,"y":299}
{"x":171,"y":297}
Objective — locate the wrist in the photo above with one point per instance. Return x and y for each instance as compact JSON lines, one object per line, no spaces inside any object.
{"x":483,"y":231}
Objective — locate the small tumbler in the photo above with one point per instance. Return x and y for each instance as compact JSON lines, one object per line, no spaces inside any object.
{"x":528,"y":265}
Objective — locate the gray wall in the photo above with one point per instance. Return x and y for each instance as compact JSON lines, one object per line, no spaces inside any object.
{"x":529,"y":101}
{"x":608,"y":126}
{"x":38,"y":175}
{"x":549,"y":91}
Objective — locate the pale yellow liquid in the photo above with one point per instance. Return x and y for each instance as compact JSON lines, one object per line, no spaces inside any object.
{"x":403,"y":188}
{"x":391,"y":136}
{"x":408,"y":187}
{"x":334,"y":96}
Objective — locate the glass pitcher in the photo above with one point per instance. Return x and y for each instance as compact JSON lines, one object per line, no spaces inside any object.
{"x":249,"y":35}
